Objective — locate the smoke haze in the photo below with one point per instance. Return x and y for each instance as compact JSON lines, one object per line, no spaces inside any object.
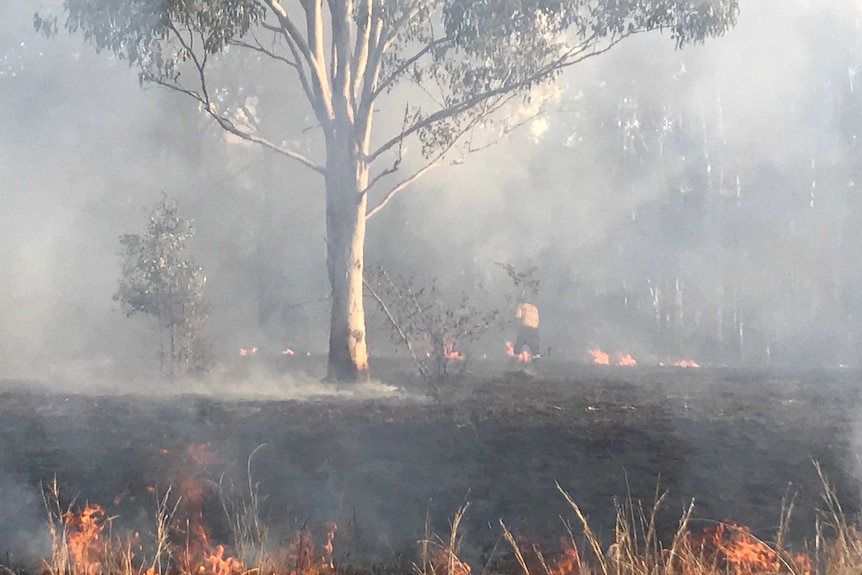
{"x":676,"y":203}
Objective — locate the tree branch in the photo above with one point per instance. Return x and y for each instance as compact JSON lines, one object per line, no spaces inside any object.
{"x":407,"y":343}
{"x":400,"y":186}
{"x":317,"y":58}
{"x":361,"y":49}
{"x":209,"y":107}
{"x":296,"y":51}
{"x":311,"y":51}
{"x":258,"y":47}
{"x":289,"y":27}
{"x":490,"y":108}
{"x":342,"y":85}
{"x":460,"y":107}
{"x":189,"y":47}
{"x":506,"y":130}
{"x":390,"y":79}
{"x":407,"y":18}
{"x":365,"y":108}
{"x":229,"y":126}
{"x":420,"y":172}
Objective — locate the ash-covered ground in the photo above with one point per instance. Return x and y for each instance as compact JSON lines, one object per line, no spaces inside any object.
{"x":379,"y":458}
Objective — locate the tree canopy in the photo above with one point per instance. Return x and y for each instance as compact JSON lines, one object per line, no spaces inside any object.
{"x":469,"y":56}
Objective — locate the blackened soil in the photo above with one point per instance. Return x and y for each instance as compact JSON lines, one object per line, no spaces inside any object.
{"x":736,"y":442}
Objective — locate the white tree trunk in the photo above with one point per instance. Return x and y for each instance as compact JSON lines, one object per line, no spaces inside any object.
{"x":345,"y":227}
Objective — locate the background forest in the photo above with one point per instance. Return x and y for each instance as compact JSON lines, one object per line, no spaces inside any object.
{"x":696,"y":203}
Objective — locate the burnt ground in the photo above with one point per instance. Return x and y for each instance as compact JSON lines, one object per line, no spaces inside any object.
{"x":737,"y":441}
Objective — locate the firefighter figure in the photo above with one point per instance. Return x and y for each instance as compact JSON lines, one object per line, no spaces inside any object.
{"x":528,"y":330}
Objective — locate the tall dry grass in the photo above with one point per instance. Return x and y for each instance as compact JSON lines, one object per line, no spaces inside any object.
{"x":635,"y":548}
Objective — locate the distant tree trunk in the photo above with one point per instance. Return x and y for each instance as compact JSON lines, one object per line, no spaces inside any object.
{"x":346,"y":177}
{"x":266,"y":298}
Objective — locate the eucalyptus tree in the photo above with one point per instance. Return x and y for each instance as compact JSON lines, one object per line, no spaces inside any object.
{"x":159,"y":279}
{"x":355,"y":60}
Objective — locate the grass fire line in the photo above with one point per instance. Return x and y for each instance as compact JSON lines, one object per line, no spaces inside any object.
{"x":83,"y":542}
{"x":600,"y":357}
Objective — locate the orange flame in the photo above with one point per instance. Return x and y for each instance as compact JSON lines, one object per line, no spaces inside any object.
{"x":685,"y":363}
{"x":244,"y":352}
{"x":525,"y":356}
{"x":327,"y":547}
{"x":743,"y":554}
{"x":616,"y":358}
{"x":92,"y":550}
{"x":450,"y":353}
{"x":84,"y":537}
{"x":569,"y":562}
{"x":215,"y":563}
{"x":443,"y":560}
{"x":600,"y":357}
{"x":287,"y":351}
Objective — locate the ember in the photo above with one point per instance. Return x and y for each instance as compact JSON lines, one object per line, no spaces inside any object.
{"x":244,"y":352}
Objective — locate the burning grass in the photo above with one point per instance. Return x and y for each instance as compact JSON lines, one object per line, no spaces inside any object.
{"x":83,"y":542}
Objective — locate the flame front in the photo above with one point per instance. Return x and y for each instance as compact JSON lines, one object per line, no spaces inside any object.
{"x":616,"y":358}
{"x":741,"y":552}
{"x":723,"y":549}
{"x":83,"y":544}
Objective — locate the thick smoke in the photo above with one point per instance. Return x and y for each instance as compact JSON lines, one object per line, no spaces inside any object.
{"x":696,"y":202}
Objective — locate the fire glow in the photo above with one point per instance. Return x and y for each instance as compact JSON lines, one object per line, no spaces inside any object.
{"x":525,"y":356}
{"x":88,"y":548}
{"x":83,"y":542}
{"x":616,"y":358}
{"x":450,"y":353}
{"x":743,"y":553}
